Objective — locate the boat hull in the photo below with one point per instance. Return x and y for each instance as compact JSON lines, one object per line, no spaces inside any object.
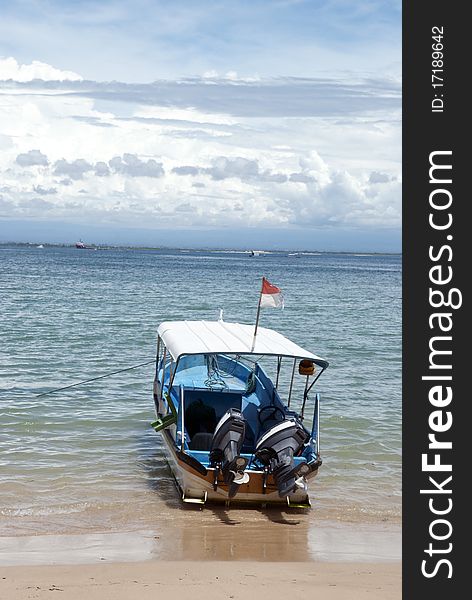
{"x":197,"y":488}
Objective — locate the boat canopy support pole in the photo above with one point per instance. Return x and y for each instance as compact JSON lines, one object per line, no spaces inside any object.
{"x":315,"y":379}
{"x":157,"y":353}
{"x":279,"y":365}
{"x":305,"y":397}
{"x":172,"y":372}
{"x":315,"y":431}
{"x":164,"y":356}
{"x":307,"y":390}
{"x":182,"y":408}
{"x":291,"y":382}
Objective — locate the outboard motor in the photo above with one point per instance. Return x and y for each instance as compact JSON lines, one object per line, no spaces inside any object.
{"x":276,"y":449}
{"x":225,"y":450}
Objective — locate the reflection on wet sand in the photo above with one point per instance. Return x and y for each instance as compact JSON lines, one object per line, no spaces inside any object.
{"x":222,"y":534}
{"x":270,"y":535}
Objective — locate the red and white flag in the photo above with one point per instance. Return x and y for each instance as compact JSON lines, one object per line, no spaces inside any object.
{"x":271,"y":295}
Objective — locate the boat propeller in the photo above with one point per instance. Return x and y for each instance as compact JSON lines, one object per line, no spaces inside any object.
{"x":301,"y":484}
{"x":240,"y":478}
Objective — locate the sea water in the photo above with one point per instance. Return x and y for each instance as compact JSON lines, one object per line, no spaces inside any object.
{"x":86,"y":459}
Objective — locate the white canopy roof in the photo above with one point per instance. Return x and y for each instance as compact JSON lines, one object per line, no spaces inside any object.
{"x":218,"y":337}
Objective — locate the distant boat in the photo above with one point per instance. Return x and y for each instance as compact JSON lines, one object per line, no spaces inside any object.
{"x":81,"y":246}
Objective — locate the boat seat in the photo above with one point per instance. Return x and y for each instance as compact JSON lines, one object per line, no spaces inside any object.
{"x":200,"y":418}
{"x":201,"y":441}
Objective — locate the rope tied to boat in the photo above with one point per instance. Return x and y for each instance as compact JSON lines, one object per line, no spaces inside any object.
{"x":215,"y":378}
{"x":66,"y":387}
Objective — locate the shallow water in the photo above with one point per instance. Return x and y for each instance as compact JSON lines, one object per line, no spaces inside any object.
{"x":86,"y":459}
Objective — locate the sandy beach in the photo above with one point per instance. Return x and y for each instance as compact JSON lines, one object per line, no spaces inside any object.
{"x":346,"y":561}
{"x":203,"y":580}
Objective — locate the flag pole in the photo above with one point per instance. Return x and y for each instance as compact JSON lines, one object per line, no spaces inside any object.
{"x":257,"y":317}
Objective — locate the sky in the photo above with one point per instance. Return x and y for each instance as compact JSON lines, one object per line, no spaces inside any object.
{"x":210,"y":123}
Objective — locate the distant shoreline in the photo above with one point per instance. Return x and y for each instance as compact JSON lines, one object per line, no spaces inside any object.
{"x":196,"y":249}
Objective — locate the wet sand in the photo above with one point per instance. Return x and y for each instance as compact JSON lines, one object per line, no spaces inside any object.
{"x":209,"y":554}
{"x":287,"y":538}
{"x":204,"y":580}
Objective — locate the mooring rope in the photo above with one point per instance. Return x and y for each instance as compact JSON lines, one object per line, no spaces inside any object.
{"x":66,"y":387}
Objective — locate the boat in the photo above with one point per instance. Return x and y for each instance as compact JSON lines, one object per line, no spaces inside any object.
{"x":81,"y":246}
{"x":231,"y":433}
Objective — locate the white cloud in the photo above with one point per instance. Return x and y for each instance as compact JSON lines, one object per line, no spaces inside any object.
{"x":186,"y":170}
{"x":11,"y":70}
{"x":102,"y":169}
{"x":44,"y":191}
{"x":133,"y":166}
{"x":32,"y":158}
{"x":270,"y":153}
{"x":376,"y":177}
{"x":239,"y":167}
{"x":74,"y":169}
{"x":301,"y":178}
